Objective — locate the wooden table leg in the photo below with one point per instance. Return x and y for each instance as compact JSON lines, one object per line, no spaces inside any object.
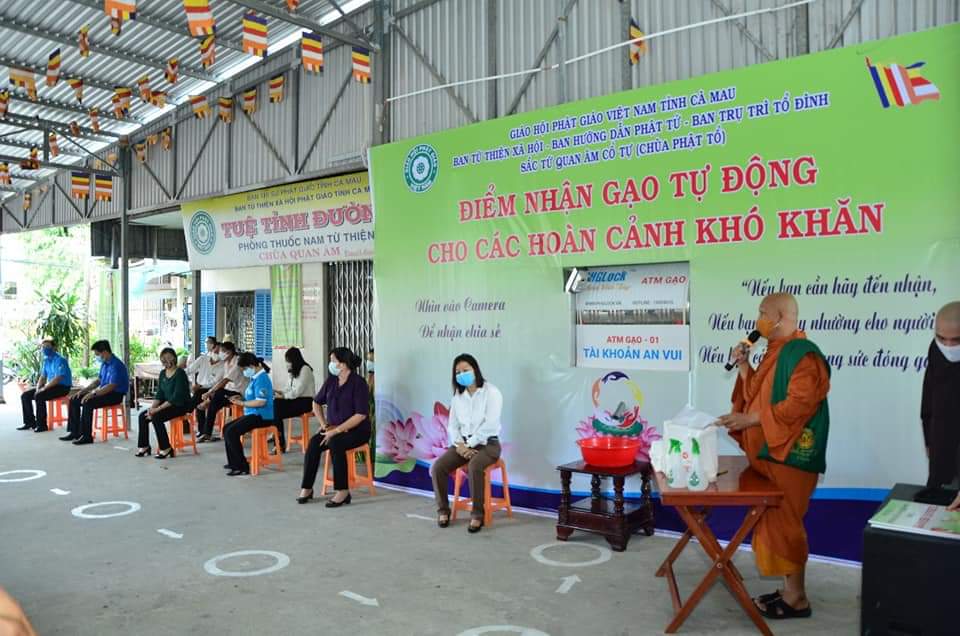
{"x":720,"y":567}
{"x":563,"y":513}
{"x":713,"y":549}
{"x":647,"y":502}
{"x":595,"y":489}
{"x":619,"y":542}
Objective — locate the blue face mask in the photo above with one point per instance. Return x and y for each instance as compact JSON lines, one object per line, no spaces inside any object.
{"x":249,"y":372}
{"x":334,"y":368}
{"x":47,"y":352}
{"x":466,"y":378}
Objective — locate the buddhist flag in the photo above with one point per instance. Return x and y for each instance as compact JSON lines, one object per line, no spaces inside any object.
{"x":111,"y":158}
{"x":95,"y":119}
{"x":84,"y":41}
{"x":33,"y":161}
{"x":76,"y":83}
{"x":311,"y":52}
{"x":173,"y":69}
{"x":637,"y":46}
{"x":4,"y":173}
{"x":79,"y":185}
{"x":53,"y":68}
{"x":208,"y":53}
{"x":166,"y":138}
{"x":116,"y":25}
{"x":152,"y":139}
{"x":276,"y":89}
{"x":250,"y":100}
{"x":158,"y":98}
{"x":103,"y":188}
{"x":199,"y":18}
{"x":901,"y":85}
{"x":120,"y":9}
{"x":4,"y":102}
{"x":74,"y":128}
{"x":226,"y":109}
{"x":361,"y":64}
{"x":292,"y":5}
{"x":144,"y":85}
{"x":141,"y":152}
{"x":254,"y":34}
{"x":54,"y":147}
{"x":121,"y":101}
{"x":24,"y":79}
{"x":27,"y":200}
{"x":200,"y":107}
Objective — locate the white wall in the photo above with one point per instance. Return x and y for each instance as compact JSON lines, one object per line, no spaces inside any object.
{"x":232,"y":280}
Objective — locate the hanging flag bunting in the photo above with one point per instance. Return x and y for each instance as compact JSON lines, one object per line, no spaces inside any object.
{"x":33,"y":161}
{"x":84,"y":41}
{"x":122,"y":97}
{"x":120,"y":9}
{"x":116,"y":25}
{"x":27,"y":201}
{"x":361,"y":64}
{"x":226,"y":109}
{"x":208,"y":53}
{"x":144,"y":85}
{"x":74,"y":129}
{"x":166,"y":138}
{"x":79,"y":185}
{"x":54,"y":146}
{"x":158,"y":98}
{"x":292,"y":5}
{"x":311,"y":52}
{"x":112,"y":158}
{"x":141,"y":152}
{"x":103,"y":187}
{"x":53,"y":68}
{"x":24,"y":79}
{"x":637,"y":46}
{"x":4,"y":173}
{"x":199,"y":18}
{"x":276,"y":89}
{"x":4,"y":101}
{"x":76,"y":83}
{"x":173,"y":68}
{"x":152,"y":139}
{"x":95,"y":119}
{"x":250,"y":100}
{"x":254,"y":34}
{"x":200,"y":107}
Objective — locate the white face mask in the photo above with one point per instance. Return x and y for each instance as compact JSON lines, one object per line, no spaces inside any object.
{"x":950,"y":352}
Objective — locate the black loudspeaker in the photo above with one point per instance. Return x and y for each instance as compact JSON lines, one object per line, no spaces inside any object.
{"x":145,"y":241}
{"x":909,"y":581}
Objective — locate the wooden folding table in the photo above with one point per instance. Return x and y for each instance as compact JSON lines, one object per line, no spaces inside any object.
{"x":736,"y":485}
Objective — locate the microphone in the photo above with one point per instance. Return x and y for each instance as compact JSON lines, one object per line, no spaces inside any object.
{"x":747,"y":342}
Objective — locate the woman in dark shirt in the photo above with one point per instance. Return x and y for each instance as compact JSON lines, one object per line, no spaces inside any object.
{"x":346,"y":425}
{"x":172,"y":400}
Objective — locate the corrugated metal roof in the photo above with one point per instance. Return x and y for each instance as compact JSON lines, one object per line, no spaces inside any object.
{"x":30,"y":31}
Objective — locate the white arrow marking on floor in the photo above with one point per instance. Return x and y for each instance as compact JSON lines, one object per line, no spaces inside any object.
{"x":121,"y":448}
{"x":413,"y":516}
{"x":568,"y":582}
{"x":170,"y":533}
{"x":57,"y":491}
{"x":363,"y":600}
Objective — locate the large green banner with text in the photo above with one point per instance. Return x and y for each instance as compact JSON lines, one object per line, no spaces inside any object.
{"x":831,"y":176}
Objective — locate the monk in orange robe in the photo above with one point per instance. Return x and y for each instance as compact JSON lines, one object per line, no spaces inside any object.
{"x":779,"y":538}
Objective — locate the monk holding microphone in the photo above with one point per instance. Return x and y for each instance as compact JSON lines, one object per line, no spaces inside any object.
{"x":780,"y":418}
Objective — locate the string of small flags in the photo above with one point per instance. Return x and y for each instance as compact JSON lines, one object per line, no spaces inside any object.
{"x":52,"y":142}
{"x":33,"y":161}
{"x":637,"y":45}
{"x":276,"y":88}
{"x":226,"y":109}
{"x":200,"y":107}
{"x":79,"y":185}
{"x":254,"y":34}
{"x":76,"y":83}
{"x":53,"y":68}
{"x":4,"y":173}
{"x":4,"y":102}
{"x":173,"y":69}
{"x":103,"y":187}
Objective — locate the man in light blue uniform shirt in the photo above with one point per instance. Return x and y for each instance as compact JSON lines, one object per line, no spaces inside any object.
{"x":54,"y":382}
{"x":107,"y":390}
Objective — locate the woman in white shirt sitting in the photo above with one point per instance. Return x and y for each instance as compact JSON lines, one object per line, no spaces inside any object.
{"x":297,"y":398}
{"x":473,"y":430}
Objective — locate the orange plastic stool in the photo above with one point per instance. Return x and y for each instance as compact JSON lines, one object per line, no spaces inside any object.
{"x":175,"y":432}
{"x":304,"y":437}
{"x":236,"y":412}
{"x":108,"y":420}
{"x":490,"y":503}
{"x":57,"y":410}
{"x":260,"y":455}
{"x":353,"y":479}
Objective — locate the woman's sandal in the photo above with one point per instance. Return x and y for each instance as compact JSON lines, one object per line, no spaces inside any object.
{"x":443,"y":520}
{"x":472,"y":529}
{"x":143,"y":452}
{"x":778,"y":609}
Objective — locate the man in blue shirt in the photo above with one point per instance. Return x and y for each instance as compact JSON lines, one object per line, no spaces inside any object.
{"x":54,"y":382}
{"x":107,"y":390}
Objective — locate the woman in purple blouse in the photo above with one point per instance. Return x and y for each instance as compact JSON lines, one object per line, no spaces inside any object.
{"x":345,"y":426}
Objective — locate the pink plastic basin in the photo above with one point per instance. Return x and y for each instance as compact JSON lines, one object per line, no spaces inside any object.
{"x":608,"y":452}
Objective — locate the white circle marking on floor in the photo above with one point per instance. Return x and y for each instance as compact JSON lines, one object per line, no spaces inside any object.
{"x":34,"y":474}
{"x":81,"y":511}
{"x":212,"y":566}
{"x":603,"y":557}
{"x":489,"y":629}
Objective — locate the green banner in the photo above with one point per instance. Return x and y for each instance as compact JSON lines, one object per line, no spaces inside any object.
{"x":286,"y":292}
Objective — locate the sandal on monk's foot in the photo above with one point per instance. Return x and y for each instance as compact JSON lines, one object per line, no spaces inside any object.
{"x":778,"y":609}
{"x":766,"y":599}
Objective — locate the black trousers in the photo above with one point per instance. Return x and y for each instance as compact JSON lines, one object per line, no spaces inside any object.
{"x":200,"y":414}
{"x":219,"y":400}
{"x":80,"y":423}
{"x":338,"y":447}
{"x":284,"y":409}
{"x":231,"y":437}
{"x":159,"y":419}
{"x":40,"y":397}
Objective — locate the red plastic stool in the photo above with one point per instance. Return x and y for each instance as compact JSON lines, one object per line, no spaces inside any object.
{"x":111,"y":420}
{"x":175,"y":428}
{"x":490,"y":503}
